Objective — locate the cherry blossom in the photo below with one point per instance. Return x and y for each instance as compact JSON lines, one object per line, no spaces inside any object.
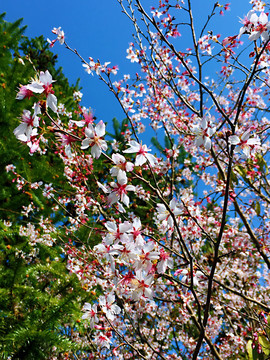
{"x":247,"y":23}
{"x":102,"y":340}
{"x":204,"y":44}
{"x":121,"y":165}
{"x":203,"y":133}
{"x":164,"y":214}
{"x":94,"y":138}
{"x":244,"y":143}
{"x":60,"y":37}
{"x":163,"y":242}
{"x":146,"y":255}
{"x":90,"y":312}
{"x":96,"y":67}
{"x":120,"y":189}
{"x":25,"y":130}
{"x":165,"y":262}
{"x":24,"y":92}
{"x":67,"y":141}
{"x":141,"y":285}
{"x":108,"y":307}
{"x":135,"y":233}
{"x":261,"y":27}
{"x":255,"y":26}
{"x":44,"y":84}
{"x":117,"y":232}
{"x":132,"y":56}
{"x":142,"y":153}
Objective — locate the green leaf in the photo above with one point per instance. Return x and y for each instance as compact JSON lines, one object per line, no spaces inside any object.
{"x":252,"y":352}
{"x":265,"y":344}
{"x":241,"y":170}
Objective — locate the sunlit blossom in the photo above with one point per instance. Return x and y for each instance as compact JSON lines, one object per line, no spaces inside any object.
{"x":94,"y":139}
{"x":142,"y":153}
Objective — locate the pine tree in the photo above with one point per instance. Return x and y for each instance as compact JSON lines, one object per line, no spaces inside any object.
{"x":40,"y":301}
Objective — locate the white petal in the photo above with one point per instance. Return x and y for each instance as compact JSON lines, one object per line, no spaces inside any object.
{"x":207,"y":143}
{"x":100,"y":129}
{"x":140,"y":160}
{"x":254,"y":36}
{"x":45,"y":78}
{"x":35,"y":87}
{"x":52,"y":102}
{"x":263,"y":18}
{"x":95,"y":151}
{"x":234,"y":140}
{"x":85,"y":144}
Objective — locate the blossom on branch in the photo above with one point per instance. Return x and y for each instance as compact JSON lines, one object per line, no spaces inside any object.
{"x":25,"y":130}
{"x":60,"y":37}
{"x":24,"y":92}
{"x":164,"y":215}
{"x":117,"y":232}
{"x":119,"y":192}
{"x":142,"y":153}
{"x":108,"y":307}
{"x":132,"y":56}
{"x":255,"y":26}
{"x":94,"y":138}
{"x":90,"y":312}
{"x":121,"y":165}
{"x":141,"y":285}
{"x":44,"y":85}
{"x":165,"y":261}
{"x":244,"y":143}
{"x":203,"y":133}
{"x":98,"y":68}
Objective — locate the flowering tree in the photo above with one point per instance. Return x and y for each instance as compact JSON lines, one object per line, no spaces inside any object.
{"x":180,"y":269}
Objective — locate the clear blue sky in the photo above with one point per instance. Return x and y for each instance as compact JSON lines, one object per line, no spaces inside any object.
{"x":97,"y":28}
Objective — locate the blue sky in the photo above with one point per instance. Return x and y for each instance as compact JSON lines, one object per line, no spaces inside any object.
{"x":97,"y":28}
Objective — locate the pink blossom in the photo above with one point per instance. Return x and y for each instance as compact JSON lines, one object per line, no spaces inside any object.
{"x":165,"y":261}
{"x":135,"y":232}
{"x":247,"y":24}
{"x":96,"y":67}
{"x":244,"y":143}
{"x":204,"y":45}
{"x":94,"y":138}
{"x":24,"y":131}
{"x":10,"y":167}
{"x":24,"y":92}
{"x":142,"y":153}
{"x":261,"y":27}
{"x":146,"y":256}
{"x":121,"y":165}
{"x":120,"y":190}
{"x":255,"y":26}
{"x":67,"y":140}
{"x":60,"y":37}
{"x":108,"y":307}
{"x":132,"y":56}
{"x":164,"y":215}
{"x":116,"y":232}
{"x":90,"y":312}
{"x":34,"y":143}
{"x":203,"y":133}
{"x":141,"y":285}
{"x":44,"y":84}
{"x":102,"y":340}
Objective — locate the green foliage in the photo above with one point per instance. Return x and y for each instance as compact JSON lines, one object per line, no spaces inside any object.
{"x":40,"y":302}
{"x":119,"y":130}
{"x":38,"y":297}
